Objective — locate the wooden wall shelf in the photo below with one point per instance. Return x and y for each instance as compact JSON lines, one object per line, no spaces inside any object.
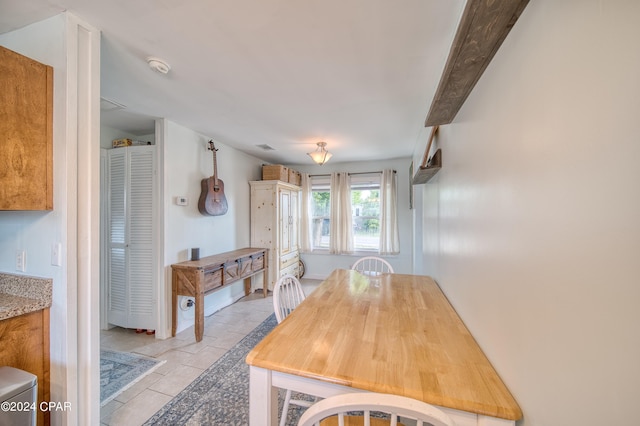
{"x":483,"y":27}
{"x":429,"y":166}
{"x":424,"y":174}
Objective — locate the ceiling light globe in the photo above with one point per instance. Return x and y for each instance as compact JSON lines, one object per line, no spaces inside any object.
{"x":320,"y":155}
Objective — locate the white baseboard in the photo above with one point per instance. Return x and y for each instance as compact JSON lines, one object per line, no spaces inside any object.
{"x":315,"y":277}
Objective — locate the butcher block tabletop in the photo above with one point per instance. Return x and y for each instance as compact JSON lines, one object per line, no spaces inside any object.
{"x":395,"y":334}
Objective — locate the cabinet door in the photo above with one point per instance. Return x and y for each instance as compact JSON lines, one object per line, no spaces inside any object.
{"x":26,"y":133}
{"x":285,"y":221}
{"x":294,"y":212}
{"x":25,"y":345}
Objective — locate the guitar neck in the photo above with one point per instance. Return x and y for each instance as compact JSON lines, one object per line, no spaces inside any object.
{"x":215,"y":168}
{"x":213,"y":149}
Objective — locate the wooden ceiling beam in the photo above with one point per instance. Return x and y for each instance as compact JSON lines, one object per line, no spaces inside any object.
{"x":483,"y":27}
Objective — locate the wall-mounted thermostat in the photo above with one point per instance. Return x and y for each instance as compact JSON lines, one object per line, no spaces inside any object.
{"x":182,"y":201}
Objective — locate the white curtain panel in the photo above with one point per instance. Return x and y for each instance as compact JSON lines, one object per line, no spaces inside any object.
{"x":305,"y":214}
{"x":389,"y":243}
{"x":341,"y":241}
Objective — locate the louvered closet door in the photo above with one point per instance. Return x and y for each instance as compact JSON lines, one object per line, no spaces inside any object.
{"x":132,"y":234}
{"x":117,"y":304}
{"x":141,"y":233}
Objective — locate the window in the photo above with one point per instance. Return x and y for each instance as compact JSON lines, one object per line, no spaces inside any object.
{"x":320,"y":213}
{"x":365,"y":210}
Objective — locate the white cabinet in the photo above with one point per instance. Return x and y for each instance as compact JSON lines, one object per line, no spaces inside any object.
{"x":274,"y":225}
{"x":131,"y":229}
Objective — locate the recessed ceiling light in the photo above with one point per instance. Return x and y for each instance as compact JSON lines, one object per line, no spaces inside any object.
{"x":158,"y":65}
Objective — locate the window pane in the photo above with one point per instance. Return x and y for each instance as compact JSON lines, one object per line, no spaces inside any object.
{"x":365,"y":206}
{"x":321,"y":211}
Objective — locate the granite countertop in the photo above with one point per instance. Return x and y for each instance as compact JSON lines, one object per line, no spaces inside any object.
{"x":22,"y":294}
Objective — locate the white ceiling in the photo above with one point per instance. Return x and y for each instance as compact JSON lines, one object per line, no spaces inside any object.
{"x":358,"y":74}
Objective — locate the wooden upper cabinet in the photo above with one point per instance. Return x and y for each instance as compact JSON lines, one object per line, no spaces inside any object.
{"x":26,"y":133}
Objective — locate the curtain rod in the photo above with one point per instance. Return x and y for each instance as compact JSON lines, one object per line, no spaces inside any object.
{"x":356,"y":173}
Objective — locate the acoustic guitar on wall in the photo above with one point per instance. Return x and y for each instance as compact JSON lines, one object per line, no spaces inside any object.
{"x":212,"y":200}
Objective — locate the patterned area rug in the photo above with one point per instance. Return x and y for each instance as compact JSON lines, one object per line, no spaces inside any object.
{"x":220,"y":396}
{"x":121,"y":370}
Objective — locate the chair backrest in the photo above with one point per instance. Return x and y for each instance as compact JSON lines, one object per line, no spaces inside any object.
{"x":287,"y":295}
{"x":371,"y":402}
{"x":372,"y":265}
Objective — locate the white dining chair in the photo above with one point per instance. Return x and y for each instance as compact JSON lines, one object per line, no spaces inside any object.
{"x":333,"y":411}
{"x":372,"y":265}
{"x":287,"y":295}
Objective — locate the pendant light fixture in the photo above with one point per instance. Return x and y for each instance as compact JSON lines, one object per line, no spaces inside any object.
{"x":320,"y":155}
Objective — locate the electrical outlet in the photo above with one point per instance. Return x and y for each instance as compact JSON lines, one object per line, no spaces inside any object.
{"x":56,"y":254}
{"x":21,"y":260}
{"x":185,"y":303}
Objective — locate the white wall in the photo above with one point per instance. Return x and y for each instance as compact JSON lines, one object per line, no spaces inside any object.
{"x":186,"y":162}
{"x":71,"y":48}
{"x":320,"y":264}
{"x":34,"y":232}
{"x":531,"y":227}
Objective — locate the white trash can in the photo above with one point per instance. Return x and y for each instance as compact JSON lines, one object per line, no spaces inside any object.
{"x":18,"y":397}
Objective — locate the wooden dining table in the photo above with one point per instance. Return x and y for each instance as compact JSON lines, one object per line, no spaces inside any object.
{"x":392,"y":333}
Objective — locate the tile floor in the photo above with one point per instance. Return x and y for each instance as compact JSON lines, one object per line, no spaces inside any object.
{"x":185,"y":359}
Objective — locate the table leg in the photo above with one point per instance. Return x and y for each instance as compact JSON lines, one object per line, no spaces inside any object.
{"x":174,"y":302}
{"x":247,"y":286}
{"x":199,"y":317}
{"x":265,"y":281}
{"x":263,"y":398}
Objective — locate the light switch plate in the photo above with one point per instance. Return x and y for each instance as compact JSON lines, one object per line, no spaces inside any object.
{"x":21,"y":260}
{"x":182,"y":201}
{"x":56,"y":254}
